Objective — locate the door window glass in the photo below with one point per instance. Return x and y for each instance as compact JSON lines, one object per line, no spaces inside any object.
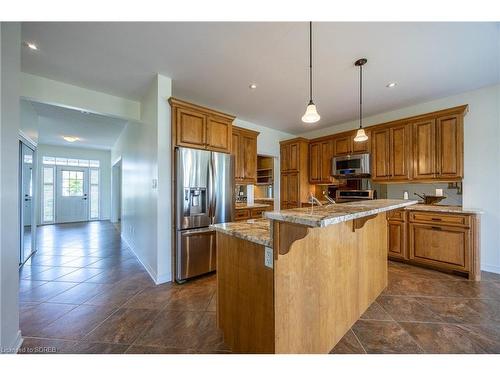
{"x":48,"y":194}
{"x":94,"y":193}
{"x":72,"y":183}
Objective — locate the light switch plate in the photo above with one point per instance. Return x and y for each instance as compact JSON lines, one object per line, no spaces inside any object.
{"x":268,"y":257}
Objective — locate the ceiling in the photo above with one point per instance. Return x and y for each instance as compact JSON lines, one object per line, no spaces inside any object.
{"x":94,"y":131}
{"x":213,"y":63}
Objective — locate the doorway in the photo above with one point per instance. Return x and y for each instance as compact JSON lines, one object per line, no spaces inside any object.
{"x":27,"y":208}
{"x":116,"y":193}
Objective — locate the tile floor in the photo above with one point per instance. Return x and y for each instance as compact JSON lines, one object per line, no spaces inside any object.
{"x":85,"y":292}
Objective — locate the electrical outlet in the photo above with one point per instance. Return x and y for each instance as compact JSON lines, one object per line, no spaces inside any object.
{"x":268,"y":257}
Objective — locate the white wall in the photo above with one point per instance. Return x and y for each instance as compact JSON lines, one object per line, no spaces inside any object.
{"x":481,"y":157}
{"x":44,"y":90}
{"x":104,"y":158}
{"x":29,"y":121}
{"x":144,"y":149}
{"x":10,"y":64}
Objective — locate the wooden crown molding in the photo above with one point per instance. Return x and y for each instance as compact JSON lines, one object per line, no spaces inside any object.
{"x":174,"y":102}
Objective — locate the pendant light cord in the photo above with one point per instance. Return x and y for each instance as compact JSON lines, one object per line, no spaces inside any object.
{"x":310,"y":64}
{"x":360,"y":96}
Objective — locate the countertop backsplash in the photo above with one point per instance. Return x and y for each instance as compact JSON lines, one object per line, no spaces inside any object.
{"x":396,"y":191}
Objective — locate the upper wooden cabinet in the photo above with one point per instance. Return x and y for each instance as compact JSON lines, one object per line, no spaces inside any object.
{"x":294,"y":182}
{"x":344,"y":144}
{"x":320,"y":161}
{"x":244,"y":149}
{"x":424,"y":149}
{"x":391,"y":153}
{"x":199,"y":127}
{"x":449,"y":135}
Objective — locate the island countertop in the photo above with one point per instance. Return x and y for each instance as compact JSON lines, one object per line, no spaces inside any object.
{"x":444,"y":209}
{"x":253,"y":230}
{"x":322,"y":216}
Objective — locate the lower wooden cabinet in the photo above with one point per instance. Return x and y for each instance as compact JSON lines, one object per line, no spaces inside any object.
{"x":445,"y":241}
{"x":250,"y":213}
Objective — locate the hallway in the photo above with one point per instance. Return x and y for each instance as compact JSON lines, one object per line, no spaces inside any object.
{"x":84,"y":291}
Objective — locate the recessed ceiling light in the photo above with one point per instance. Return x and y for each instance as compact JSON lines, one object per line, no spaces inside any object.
{"x":252,"y":86}
{"x":31,"y":46}
{"x":391,"y":85}
{"x":70,"y":139}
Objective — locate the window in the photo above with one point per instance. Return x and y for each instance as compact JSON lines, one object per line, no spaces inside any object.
{"x":94,"y":194}
{"x":50,"y":160}
{"x":48,"y":195}
{"x":72,"y":183}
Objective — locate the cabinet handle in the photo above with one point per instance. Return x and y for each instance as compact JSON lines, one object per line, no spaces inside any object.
{"x":436,"y":228}
{"x":436,"y":219}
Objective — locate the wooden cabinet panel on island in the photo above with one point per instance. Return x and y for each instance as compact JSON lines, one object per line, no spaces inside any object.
{"x":199,"y":127}
{"x":294,"y":182}
{"x":244,"y":149}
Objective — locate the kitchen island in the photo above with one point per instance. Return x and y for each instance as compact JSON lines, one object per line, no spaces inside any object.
{"x":296,"y":281}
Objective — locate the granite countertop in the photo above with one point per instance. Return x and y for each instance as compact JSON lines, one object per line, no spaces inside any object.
{"x":253,"y":230}
{"x":443,"y":208}
{"x":322,"y":216}
{"x":241,"y":206}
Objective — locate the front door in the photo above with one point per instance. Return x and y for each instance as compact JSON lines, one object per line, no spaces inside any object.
{"x":72,"y":194}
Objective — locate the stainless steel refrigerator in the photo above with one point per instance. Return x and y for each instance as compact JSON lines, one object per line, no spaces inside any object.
{"x":204,"y":196}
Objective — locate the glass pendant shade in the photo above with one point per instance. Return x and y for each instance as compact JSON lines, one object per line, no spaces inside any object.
{"x":311,"y":114}
{"x":360,"y":136}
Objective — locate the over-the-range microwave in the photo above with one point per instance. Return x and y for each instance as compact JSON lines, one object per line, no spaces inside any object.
{"x":351,"y":166}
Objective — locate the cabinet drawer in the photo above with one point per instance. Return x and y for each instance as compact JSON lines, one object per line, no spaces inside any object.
{"x":398,"y":215}
{"x":257,"y":213}
{"x":448,"y":219}
{"x":242,"y":214}
{"x":444,"y":246}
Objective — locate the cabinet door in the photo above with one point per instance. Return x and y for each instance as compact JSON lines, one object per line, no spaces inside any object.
{"x":315,"y":166}
{"x":342,"y":145}
{"x":293,"y":157}
{"x":424,"y":149}
{"x":442,"y":246}
{"x":218,"y":134}
{"x":400,"y":155}
{"x":380,"y":154}
{"x":449,"y":147}
{"x":248,"y":148}
{"x":284,"y":155}
{"x":283,"y":190}
{"x":236,"y":151}
{"x":326,"y":154}
{"x":359,"y":147}
{"x":190,"y":128}
{"x":397,"y":239}
{"x":293,"y":189}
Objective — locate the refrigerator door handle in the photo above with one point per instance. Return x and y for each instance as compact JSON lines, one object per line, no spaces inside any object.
{"x":214,"y":196}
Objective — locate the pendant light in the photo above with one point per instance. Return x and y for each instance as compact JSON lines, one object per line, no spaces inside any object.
{"x":361,"y":135}
{"x":311,"y":115}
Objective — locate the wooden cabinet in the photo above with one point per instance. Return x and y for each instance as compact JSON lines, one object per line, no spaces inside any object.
{"x":250,"y":213}
{"x":199,"y":127}
{"x":320,"y":161}
{"x":344,"y":144}
{"x":424,"y":149}
{"x":294,"y":181}
{"x":445,"y":241}
{"x":391,"y":153}
{"x":244,"y":149}
{"x":449,"y":158}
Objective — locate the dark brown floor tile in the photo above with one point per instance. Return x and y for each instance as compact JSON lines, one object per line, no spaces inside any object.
{"x":175,"y":329}
{"x":384,"y":337}
{"x":45,"y":291}
{"x":79,"y":294}
{"x":114,"y":294}
{"x":33,"y":345}
{"x":78,"y":322}
{"x":191,"y":298}
{"x":349,"y":344}
{"x":26,"y":285}
{"x":153,"y":297}
{"x":27,"y":270}
{"x":80,"y":275}
{"x":138,"y":349}
{"x":82,"y":261}
{"x":52,"y":274}
{"x":209,"y":337}
{"x":451,"y":310}
{"x":420,"y":272}
{"x":33,"y":319}
{"x":407,"y":309}
{"x":84,"y":347}
{"x":490,"y":276}
{"x":213,"y":304}
{"x":375,"y":312}
{"x":488,"y":309}
{"x":123,"y":326}
{"x":444,"y":338}
{"x":487,"y":335}
{"x":399,"y":284}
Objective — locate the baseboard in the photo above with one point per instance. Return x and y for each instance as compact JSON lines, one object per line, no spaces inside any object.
{"x":490,"y":268}
{"x":147,"y":267}
{"x":18,"y":341}
{"x":165,"y":278}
